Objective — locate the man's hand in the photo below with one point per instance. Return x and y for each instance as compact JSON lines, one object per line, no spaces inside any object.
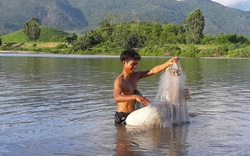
{"x":173,"y":60}
{"x":144,"y":101}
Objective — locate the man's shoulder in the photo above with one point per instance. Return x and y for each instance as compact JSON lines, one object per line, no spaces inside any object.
{"x":141,"y":73}
{"x":119,"y":78}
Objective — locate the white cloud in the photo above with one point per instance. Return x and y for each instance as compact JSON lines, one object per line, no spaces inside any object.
{"x":230,"y":2}
{"x":240,"y":4}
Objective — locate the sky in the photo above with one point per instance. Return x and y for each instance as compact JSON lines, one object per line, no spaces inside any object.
{"x":239,"y":4}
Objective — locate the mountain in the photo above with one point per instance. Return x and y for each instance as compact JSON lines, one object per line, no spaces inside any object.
{"x":83,"y":15}
{"x":56,"y":13}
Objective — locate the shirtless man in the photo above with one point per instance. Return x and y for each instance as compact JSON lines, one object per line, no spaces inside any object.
{"x":125,"y":84}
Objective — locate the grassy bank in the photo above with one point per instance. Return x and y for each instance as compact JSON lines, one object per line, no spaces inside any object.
{"x":168,"y":50}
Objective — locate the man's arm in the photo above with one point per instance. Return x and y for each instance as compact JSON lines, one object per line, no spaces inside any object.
{"x":119,"y":97}
{"x":159,"y":68}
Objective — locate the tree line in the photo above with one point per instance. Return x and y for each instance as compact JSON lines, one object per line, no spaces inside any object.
{"x":138,"y":34}
{"x":152,"y":37}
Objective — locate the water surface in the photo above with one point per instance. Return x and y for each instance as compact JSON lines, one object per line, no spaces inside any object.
{"x":63,"y":105}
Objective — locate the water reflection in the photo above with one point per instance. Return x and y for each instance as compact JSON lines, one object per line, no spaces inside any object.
{"x":165,"y":141}
{"x":124,"y":146}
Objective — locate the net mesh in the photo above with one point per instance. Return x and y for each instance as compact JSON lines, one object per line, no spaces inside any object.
{"x":169,"y":106}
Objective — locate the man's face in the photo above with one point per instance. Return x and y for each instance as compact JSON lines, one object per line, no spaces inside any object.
{"x":130,"y":65}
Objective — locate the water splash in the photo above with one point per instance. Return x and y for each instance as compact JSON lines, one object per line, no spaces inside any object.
{"x":169,"y":106}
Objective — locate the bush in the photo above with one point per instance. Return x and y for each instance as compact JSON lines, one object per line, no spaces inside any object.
{"x":169,"y":50}
{"x":172,"y":50}
{"x":241,"y":52}
{"x":191,"y":51}
{"x":187,"y":54}
{"x":61,"y":46}
{"x":206,"y":53}
{"x":5,"y":48}
{"x":208,"y":39}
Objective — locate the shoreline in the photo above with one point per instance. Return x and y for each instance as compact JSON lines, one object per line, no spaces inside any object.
{"x":97,"y":55}
{"x":42,"y":54}
{"x":17,"y":52}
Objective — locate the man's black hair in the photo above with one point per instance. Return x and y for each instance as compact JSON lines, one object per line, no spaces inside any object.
{"x":128,"y":55}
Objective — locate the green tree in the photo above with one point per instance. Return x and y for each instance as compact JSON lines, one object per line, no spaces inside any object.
{"x":208,"y":39}
{"x":194,"y":25}
{"x":87,"y":41}
{"x":127,"y":36}
{"x":31,"y":29}
{"x":230,"y":38}
{"x":71,"y":39}
{"x":155,"y":32}
{"x":106,"y":28}
{"x":172,"y":34}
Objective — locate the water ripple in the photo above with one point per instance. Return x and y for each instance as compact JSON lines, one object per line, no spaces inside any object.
{"x":56,"y":106}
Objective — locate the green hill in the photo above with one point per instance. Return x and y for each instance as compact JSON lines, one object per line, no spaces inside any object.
{"x":48,"y":34}
{"x":82,"y":15}
{"x":219,"y":19}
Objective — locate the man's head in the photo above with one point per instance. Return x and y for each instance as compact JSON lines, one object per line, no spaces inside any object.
{"x":130,"y":60}
{"x":129,"y":55}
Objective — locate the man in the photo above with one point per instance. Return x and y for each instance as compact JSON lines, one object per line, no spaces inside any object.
{"x":125,"y":85}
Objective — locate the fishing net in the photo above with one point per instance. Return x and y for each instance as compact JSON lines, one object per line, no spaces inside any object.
{"x":169,"y":106}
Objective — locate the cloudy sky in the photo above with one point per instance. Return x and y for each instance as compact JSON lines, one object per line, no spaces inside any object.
{"x":239,"y":4}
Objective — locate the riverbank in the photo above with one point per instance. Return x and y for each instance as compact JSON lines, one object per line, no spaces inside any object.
{"x":42,"y":54}
{"x":182,"y":51}
{"x":17,"y":52}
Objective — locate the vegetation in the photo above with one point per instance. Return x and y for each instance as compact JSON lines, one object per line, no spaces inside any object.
{"x":51,"y":40}
{"x":31,"y":29}
{"x":57,"y":13}
{"x":71,"y":39}
{"x":194,"y":26}
{"x":48,"y":34}
{"x":81,"y":16}
{"x":220,"y":19}
{"x":149,"y":38}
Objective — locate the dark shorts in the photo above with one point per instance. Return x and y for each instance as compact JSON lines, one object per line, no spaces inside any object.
{"x":120,"y":118}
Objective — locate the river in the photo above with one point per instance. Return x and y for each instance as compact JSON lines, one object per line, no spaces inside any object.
{"x":63,"y":105}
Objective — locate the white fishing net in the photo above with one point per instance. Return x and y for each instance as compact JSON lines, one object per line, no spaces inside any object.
{"x":169,"y":106}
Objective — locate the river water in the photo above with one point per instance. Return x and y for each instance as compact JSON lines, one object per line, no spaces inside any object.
{"x":63,"y":105}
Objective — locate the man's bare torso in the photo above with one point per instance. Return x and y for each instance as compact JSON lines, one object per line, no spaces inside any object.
{"x":129,"y":85}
